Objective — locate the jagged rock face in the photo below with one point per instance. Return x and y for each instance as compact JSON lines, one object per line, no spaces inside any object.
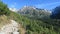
{"x":26,"y":10}
{"x":11,"y":28}
{"x":32,"y":12}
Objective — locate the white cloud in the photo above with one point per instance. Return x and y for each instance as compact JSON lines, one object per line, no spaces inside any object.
{"x":13,"y":9}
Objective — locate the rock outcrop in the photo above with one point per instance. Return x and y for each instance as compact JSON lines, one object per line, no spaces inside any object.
{"x":11,"y":28}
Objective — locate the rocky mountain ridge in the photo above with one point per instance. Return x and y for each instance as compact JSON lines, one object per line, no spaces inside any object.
{"x":33,"y":12}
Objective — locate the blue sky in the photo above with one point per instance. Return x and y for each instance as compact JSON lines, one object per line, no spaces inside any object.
{"x":44,"y":4}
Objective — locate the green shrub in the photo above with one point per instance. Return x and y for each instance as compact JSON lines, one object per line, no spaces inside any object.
{"x":4,"y":9}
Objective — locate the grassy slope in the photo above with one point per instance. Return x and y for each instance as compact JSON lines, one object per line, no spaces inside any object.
{"x":6,"y":20}
{"x":33,"y":26}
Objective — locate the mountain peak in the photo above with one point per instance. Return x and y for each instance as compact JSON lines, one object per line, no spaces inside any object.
{"x":29,"y":7}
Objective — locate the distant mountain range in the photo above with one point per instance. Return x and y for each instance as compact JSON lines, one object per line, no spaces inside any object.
{"x":33,"y":12}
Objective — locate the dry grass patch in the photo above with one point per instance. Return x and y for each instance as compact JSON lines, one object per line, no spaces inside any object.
{"x":4,"y":20}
